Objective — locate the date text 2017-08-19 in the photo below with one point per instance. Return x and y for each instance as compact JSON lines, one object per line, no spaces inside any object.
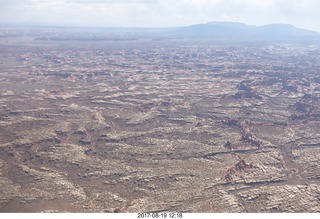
{"x":160,"y":215}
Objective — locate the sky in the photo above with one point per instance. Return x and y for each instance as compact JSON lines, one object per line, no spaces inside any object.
{"x":159,"y":13}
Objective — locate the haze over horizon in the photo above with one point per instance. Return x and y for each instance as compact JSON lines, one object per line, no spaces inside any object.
{"x":156,"y":13}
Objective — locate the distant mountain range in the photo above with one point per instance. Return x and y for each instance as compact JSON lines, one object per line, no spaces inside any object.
{"x":225,"y":32}
{"x":235,"y":30}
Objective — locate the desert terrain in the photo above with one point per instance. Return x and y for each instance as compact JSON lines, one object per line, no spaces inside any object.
{"x":147,"y":125}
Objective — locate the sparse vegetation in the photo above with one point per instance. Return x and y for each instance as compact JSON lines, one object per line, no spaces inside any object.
{"x":124,"y":125}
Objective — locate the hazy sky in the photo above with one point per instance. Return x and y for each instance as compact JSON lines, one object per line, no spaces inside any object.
{"x":159,"y":13}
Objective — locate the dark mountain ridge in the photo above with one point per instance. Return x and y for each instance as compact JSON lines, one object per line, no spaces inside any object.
{"x":237,"y":30}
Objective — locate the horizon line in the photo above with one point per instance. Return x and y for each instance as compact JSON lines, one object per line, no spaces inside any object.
{"x":140,"y":27}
